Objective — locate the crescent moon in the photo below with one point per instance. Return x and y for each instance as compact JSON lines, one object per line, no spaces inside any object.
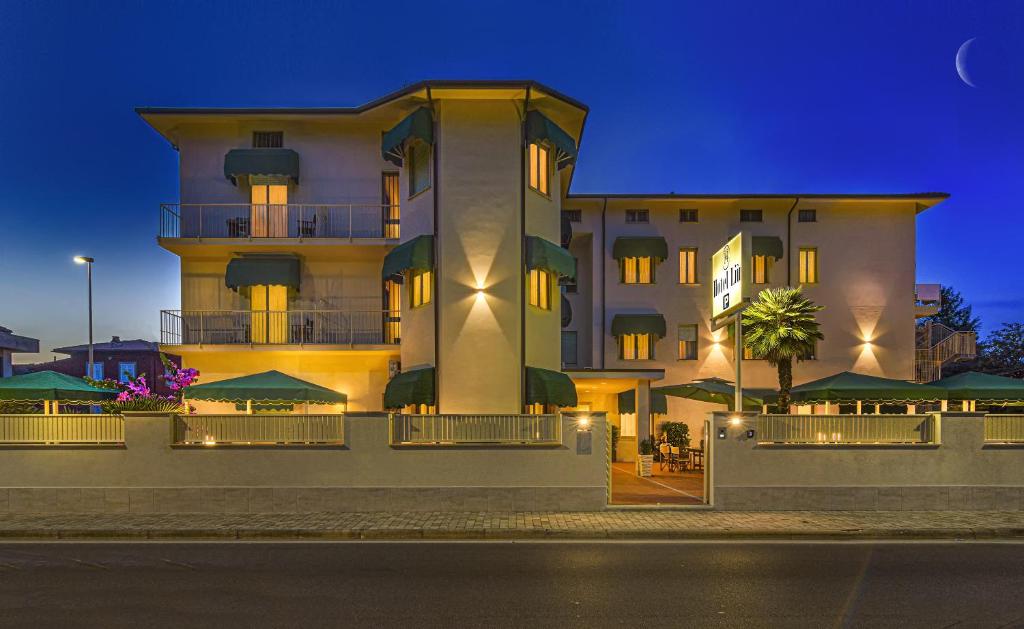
{"x":961,"y":62}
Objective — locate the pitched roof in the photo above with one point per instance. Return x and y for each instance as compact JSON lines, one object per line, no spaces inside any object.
{"x":114,"y":345}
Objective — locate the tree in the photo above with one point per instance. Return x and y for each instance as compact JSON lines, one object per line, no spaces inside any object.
{"x":1003,"y":351}
{"x":955,"y":313}
{"x":778,"y":327}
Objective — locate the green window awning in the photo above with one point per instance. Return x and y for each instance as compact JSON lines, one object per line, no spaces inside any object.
{"x":544,"y":386}
{"x":640,"y":247}
{"x":540,"y":128}
{"x":52,"y":386}
{"x":627,"y":402}
{"x":638,"y":324}
{"x":415,"y":386}
{"x":980,"y":387}
{"x":271,"y":387}
{"x":419,"y":124}
{"x":544,"y":254}
{"x":767,"y":246}
{"x":416,"y":254}
{"x":243,"y":163}
{"x":263,"y":269}
{"x":849,"y":387}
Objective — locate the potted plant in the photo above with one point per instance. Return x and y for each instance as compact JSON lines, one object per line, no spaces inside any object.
{"x":645,"y":460}
{"x":677,"y":434}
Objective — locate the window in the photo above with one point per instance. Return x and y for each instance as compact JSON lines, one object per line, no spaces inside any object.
{"x":688,"y":342}
{"x":762,"y":266}
{"x":540,"y":168}
{"x":269,"y":311}
{"x":418,"y":159}
{"x":687,"y":216}
{"x":420,"y":288}
{"x":540,"y":289}
{"x":637,"y":270}
{"x":638,"y":216}
{"x":808,"y":265}
{"x":688,"y":265}
{"x":268,"y":214}
{"x":420,"y":409}
{"x":748,"y":354}
{"x":393,"y":311}
{"x":538,"y":409}
{"x":267,"y":139}
{"x":97,"y":369}
{"x":807,"y":216}
{"x":573,"y":216}
{"x":390,"y":199}
{"x":751,"y":216}
{"x":569,"y":350}
{"x":636,"y":347}
{"x":125,"y":371}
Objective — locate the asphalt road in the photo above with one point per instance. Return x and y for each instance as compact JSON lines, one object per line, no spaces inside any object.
{"x":511,"y":584}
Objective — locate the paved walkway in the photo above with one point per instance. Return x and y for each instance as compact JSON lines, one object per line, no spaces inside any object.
{"x":662,"y":487}
{"x":623,"y":524}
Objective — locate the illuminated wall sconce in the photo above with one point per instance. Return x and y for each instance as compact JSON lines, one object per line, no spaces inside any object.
{"x":583,"y":424}
{"x":736,"y":420}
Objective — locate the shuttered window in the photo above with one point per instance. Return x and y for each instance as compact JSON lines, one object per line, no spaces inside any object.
{"x":540,"y":289}
{"x":808,"y":265}
{"x":637,"y":270}
{"x":687,"y":342}
{"x":540,"y":168}
{"x":418,"y":163}
{"x":391,"y":200}
{"x":569,"y":348}
{"x":420,"y":288}
{"x":688,"y":265}
{"x":267,"y":139}
{"x":636,"y":347}
{"x":762,"y":269}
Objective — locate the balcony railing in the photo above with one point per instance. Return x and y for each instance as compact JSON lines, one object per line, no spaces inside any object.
{"x":484,"y":430}
{"x":291,"y":327}
{"x":1004,"y":429}
{"x":257,"y":222}
{"x":259,"y":430}
{"x":61,"y":430}
{"x":846,"y":429}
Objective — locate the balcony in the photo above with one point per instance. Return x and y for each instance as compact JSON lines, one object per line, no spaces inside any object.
{"x":244,"y":221}
{"x":291,"y":327}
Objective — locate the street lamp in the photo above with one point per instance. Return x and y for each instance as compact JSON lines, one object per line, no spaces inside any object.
{"x":91,"y":370}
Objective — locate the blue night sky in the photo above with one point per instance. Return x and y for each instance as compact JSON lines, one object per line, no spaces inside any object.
{"x":684,"y":96}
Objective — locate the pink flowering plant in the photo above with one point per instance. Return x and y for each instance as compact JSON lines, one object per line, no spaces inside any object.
{"x":136,"y":394}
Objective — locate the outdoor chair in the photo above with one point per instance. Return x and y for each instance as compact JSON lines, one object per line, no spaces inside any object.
{"x":674,"y":461}
{"x":307,"y":229}
{"x":238,"y":227}
{"x":664,"y":457}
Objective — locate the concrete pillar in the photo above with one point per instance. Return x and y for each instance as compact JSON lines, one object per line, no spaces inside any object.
{"x":643,"y":411}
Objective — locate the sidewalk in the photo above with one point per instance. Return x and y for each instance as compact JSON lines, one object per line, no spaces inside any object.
{"x":612,"y":524}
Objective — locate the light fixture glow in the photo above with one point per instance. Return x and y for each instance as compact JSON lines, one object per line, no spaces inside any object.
{"x":82,"y":259}
{"x":735,"y":420}
{"x":583,"y":422}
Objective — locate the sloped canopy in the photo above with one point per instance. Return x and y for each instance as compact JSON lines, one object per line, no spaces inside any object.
{"x":419,"y":124}
{"x":269,"y":386}
{"x":263,"y":269}
{"x":415,"y":386}
{"x":767,"y":246}
{"x":544,"y":386}
{"x":276,"y":162}
{"x":50,"y":385}
{"x":713,"y":390}
{"x":627,"y":402}
{"x":638,"y":324}
{"x":544,"y":254}
{"x":848,"y":387}
{"x":982,"y":387}
{"x":540,"y":128}
{"x":639,"y":247}
{"x":416,"y":254}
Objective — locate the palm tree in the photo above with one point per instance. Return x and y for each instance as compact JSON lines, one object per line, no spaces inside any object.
{"x":778,"y":327}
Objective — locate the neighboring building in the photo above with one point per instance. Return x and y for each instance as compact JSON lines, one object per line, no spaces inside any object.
{"x":11,"y":343}
{"x":115,"y":360}
{"x":417,"y":234}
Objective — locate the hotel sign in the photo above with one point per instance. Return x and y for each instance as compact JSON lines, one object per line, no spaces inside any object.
{"x":729,"y":287}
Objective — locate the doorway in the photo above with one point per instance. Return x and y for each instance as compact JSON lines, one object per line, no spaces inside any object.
{"x":269,"y":211}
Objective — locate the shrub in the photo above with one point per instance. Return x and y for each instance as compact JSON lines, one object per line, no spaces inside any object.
{"x":151,"y":404}
{"x":647,"y":446}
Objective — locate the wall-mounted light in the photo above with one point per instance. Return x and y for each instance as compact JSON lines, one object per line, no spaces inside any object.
{"x":583,"y":423}
{"x":735,"y":420}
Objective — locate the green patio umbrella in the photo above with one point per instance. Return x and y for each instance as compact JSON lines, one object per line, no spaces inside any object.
{"x":982,"y":387}
{"x":848,"y":387}
{"x":267,"y":387}
{"x":50,"y":386}
{"x":713,"y":390}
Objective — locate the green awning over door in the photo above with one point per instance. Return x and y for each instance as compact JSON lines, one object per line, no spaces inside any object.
{"x":767,"y":246}
{"x":415,"y":386}
{"x":638,"y":324}
{"x":627,"y":402}
{"x":544,"y":254}
{"x":540,"y":128}
{"x":419,"y":124}
{"x":416,"y":254}
{"x":640,"y":247}
{"x":544,"y":386}
{"x":263,"y":269}
{"x":241,"y":163}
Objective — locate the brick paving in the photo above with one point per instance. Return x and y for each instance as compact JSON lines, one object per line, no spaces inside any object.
{"x":623,"y":524}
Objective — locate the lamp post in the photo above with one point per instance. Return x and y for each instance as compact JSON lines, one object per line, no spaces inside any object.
{"x":90,"y":369}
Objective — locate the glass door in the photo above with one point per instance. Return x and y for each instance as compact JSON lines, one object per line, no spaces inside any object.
{"x":269,"y":211}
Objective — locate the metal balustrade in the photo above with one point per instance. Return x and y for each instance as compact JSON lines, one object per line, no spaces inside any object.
{"x":259,"y":430}
{"x":846,"y":429}
{"x":284,"y":327}
{"x":1001,"y":428}
{"x":500,"y":430}
{"x":61,"y":430}
{"x":348,"y":221}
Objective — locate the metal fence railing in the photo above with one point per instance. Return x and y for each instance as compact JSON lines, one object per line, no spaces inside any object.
{"x":846,"y":429}
{"x":347,"y":221}
{"x":61,"y":430}
{"x":273,"y":327}
{"x":259,"y":429}
{"x":1004,"y":428}
{"x":506,"y":430}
